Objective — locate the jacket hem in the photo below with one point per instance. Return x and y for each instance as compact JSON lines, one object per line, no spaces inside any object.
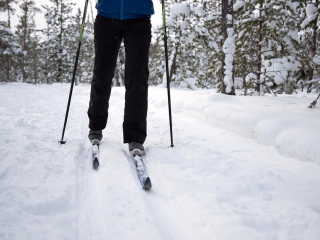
{"x":126,"y":17}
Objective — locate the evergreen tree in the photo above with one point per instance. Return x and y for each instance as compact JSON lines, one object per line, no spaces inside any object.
{"x":175,"y":40}
{"x":9,"y":48}
{"x":156,"y":57}
{"x":85,"y":61}
{"x":118,"y":79}
{"x":47,"y":60}
{"x":206,"y":37}
{"x":58,"y":65}
{"x":284,"y":43}
{"x":309,"y":41}
{"x":26,"y":35}
{"x":7,"y":6}
{"x":248,"y":26}
{"x":87,"y":53}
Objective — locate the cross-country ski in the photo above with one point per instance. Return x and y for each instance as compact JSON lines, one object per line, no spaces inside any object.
{"x":95,"y":156}
{"x":141,"y":172}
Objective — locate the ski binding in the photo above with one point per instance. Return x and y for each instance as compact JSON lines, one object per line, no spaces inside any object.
{"x":95,"y":154}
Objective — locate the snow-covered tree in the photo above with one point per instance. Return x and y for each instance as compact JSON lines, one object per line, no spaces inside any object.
{"x":7,"y":6}
{"x":267,"y":43}
{"x":9,"y":48}
{"x":194,"y":31}
{"x":27,"y":38}
{"x":309,"y":41}
{"x":86,"y":57}
{"x":178,"y":41}
{"x":209,"y":41}
{"x":228,"y":47}
{"x":118,"y":79}
{"x":58,"y":65}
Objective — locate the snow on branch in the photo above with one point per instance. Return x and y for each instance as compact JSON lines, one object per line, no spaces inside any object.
{"x":293,"y":5}
{"x":177,"y":10}
{"x":312,"y":13}
{"x":238,"y":5}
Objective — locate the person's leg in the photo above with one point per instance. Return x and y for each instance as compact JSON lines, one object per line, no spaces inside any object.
{"x":107,"y":40}
{"x":137,"y":38}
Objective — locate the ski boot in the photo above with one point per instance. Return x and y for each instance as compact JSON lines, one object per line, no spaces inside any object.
{"x":136,"y":149}
{"x":95,"y":136}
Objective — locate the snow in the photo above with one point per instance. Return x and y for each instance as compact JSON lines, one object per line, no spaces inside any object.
{"x":229,"y":49}
{"x":189,"y":83}
{"x":311,"y":9}
{"x":198,"y":11}
{"x":293,"y":5}
{"x":238,"y":5}
{"x":241,"y":33}
{"x":312,"y":13}
{"x":88,"y":36}
{"x":278,"y":68}
{"x":8,"y":30}
{"x":241,"y":168}
{"x":178,"y":9}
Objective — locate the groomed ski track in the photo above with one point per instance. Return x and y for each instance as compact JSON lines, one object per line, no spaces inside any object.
{"x":181,"y":203}
{"x":221,"y":181}
{"x":112,"y":204}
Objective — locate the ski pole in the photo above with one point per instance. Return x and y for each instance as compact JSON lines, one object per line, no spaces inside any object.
{"x":167,"y":68}
{"x":74,"y":70}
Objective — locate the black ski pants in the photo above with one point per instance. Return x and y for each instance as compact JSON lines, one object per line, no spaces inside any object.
{"x":108,"y":35}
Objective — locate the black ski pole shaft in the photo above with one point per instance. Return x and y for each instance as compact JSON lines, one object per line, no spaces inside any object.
{"x":74,"y":71}
{"x":167,"y":68}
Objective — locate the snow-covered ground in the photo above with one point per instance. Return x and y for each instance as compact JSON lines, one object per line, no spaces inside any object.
{"x":241,"y":168}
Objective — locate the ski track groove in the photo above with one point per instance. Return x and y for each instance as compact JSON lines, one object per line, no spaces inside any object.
{"x":80,"y":159}
{"x":167,"y":223}
{"x":158,"y":209}
{"x":91,"y":222}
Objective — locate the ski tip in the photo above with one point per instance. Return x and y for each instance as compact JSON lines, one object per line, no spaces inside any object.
{"x":147,"y":184}
{"x":95,"y":164}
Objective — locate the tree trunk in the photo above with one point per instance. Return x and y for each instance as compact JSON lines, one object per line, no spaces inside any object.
{"x":227,"y":9}
{"x":258,"y":87}
{"x":25,"y":27}
{"x":8,"y":78}
{"x":35,"y":67}
{"x":224,"y":12}
{"x":60,"y":46}
{"x":230,"y":25}
{"x":314,"y":48}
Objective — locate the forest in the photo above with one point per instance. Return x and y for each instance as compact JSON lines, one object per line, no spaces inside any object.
{"x":238,"y":47}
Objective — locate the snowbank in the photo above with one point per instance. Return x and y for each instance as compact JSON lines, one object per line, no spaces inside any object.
{"x":284,"y":122}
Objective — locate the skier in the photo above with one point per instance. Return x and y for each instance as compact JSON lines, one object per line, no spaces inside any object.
{"x":127,"y":20}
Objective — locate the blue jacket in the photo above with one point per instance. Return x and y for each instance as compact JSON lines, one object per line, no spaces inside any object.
{"x":125,"y":9}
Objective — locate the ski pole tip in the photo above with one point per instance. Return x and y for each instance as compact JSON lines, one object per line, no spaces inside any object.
{"x":62,"y":142}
